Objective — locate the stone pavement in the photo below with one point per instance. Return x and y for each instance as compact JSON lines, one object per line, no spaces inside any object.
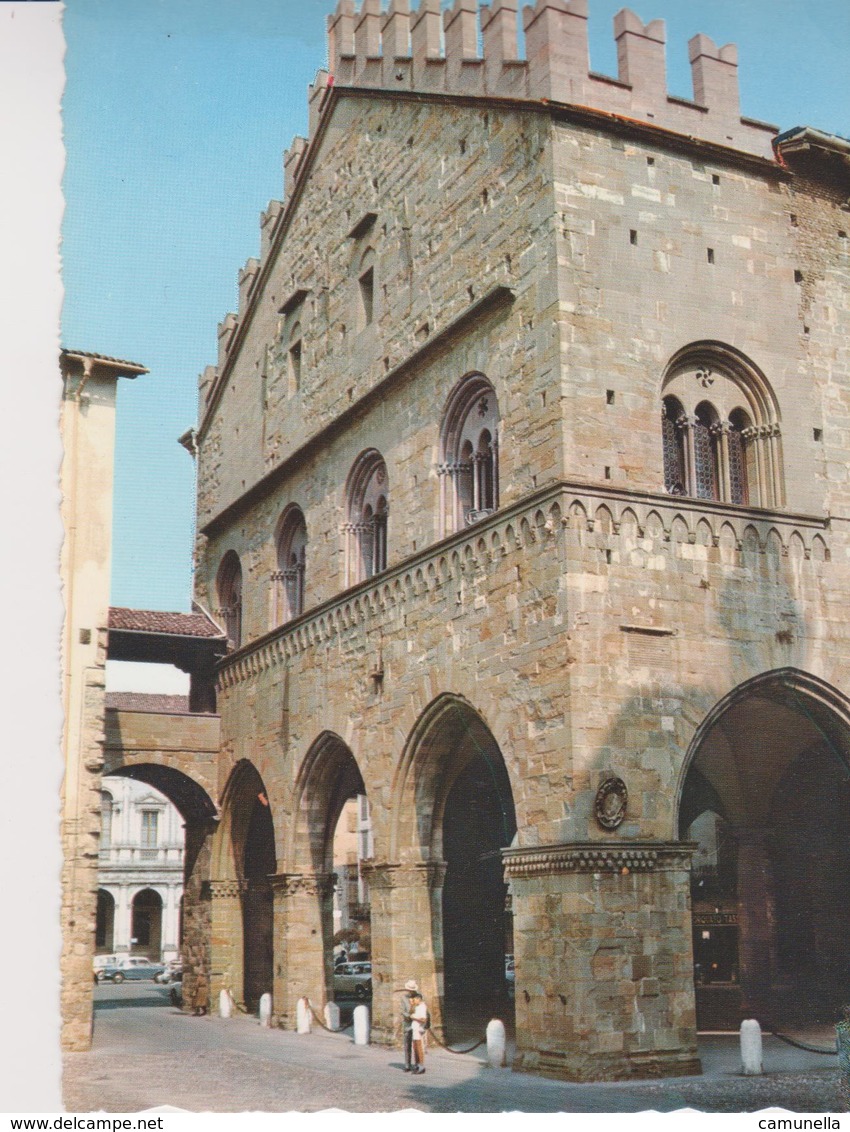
{"x":146,"y":1053}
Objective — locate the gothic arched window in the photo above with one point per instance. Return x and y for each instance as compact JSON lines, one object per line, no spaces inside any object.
{"x":291,"y":560}
{"x":229,"y":587}
{"x":469,"y":456}
{"x":366,"y":530}
{"x":720,"y":428}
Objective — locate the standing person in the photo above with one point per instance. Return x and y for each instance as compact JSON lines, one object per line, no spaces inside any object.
{"x":202,"y":994}
{"x":410,"y":988}
{"x":420,"y":1022}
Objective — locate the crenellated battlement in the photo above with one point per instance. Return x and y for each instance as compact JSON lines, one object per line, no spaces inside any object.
{"x":424,"y":49}
{"x":476,"y":50}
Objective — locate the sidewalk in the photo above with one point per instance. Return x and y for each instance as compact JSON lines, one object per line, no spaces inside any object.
{"x":147,"y":1054}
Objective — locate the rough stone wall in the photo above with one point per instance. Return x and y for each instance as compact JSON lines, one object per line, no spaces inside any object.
{"x":80,"y":844}
{"x":456,"y":253}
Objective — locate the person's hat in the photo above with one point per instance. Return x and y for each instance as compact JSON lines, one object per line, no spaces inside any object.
{"x":412,"y":985}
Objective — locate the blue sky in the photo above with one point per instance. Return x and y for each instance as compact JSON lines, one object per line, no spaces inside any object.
{"x":176,"y":115}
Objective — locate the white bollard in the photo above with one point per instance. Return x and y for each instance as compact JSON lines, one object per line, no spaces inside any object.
{"x":225,"y":1004}
{"x":750,"y":1047}
{"x":495,"y":1043}
{"x":265,"y":1009}
{"x":331,"y":1015}
{"x":303,"y":1019}
{"x":361,"y":1025}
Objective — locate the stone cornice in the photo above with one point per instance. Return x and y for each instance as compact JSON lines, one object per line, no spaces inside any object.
{"x":621,"y":857}
{"x":538,"y":523}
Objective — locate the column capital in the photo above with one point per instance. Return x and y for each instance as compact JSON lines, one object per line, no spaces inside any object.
{"x":303,"y":884}
{"x":229,"y":889}
{"x":391,"y":875}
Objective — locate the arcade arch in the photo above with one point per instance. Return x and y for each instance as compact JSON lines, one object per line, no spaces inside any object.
{"x":244,"y":861}
{"x":766,"y":797}
{"x":454,"y":810}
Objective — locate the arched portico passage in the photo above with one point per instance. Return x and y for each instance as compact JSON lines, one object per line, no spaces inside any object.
{"x":767,"y":798}
{"x":456,"y":812}
{"x":244,"y":861}
{"x":199,"y":815}
{"x":323,"y":892}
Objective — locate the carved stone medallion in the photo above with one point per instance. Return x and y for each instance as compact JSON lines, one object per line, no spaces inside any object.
{"x":610,"y":804}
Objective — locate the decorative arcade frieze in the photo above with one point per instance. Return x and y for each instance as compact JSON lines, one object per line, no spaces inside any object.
{"x":566,"y":514}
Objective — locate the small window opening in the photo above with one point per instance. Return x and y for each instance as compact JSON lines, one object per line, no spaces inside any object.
{"x":608,"y":557}
{"x":793,"y":218}
{"x":710,"y":254}
{"x":607,"y":472}
{"x":633,"y":236}
{"x":650,"y":160}
{"x":817,"y":433}
{"x":295,"y":367}
{"x":715,"y":180}
{"x":367,"y":294}
{"x":609,"y":396}
{"x":798,"y":277}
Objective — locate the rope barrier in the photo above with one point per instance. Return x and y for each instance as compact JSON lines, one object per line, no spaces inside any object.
{"x":341,"y":1030}
{"x":449,"y":1049}
{"x":803,"y":1045}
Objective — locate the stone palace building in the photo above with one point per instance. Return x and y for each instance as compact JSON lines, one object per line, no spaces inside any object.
{"x":523,"y":500}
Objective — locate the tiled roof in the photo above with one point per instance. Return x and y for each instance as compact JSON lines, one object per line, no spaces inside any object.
{"x":157,"y":621}
{"x":104,"y":358}
{"x":147,"y":701}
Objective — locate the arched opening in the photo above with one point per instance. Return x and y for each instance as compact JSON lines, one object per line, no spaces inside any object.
{"x":469,"y":456}
{"x":721,"y":428}
{"x":178,"y":863}
{"x":457,"y":809}
{"x":333,"y":840}
{"x":104,"y":931}
{"x":146,"y":929}
{"x":246,"y":862}
{"x":368,"y":507}
{"x":291,"y":564}
{"x":229,"y":588}
{"x":767,"y":800}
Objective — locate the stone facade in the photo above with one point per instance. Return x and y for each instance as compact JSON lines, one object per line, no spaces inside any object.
{"x":586,"y":595}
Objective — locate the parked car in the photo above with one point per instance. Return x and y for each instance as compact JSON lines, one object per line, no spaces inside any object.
{"x":353,"y":979}
{"x":136,"y":967}
{"x":172,"y":972}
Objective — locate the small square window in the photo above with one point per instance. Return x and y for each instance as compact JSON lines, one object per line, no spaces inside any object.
{"x":715,"y":180}
{"x":798,"y":277}
{"x":817,"y":433}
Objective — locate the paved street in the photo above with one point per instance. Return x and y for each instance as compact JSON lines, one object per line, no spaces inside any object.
{"x":146,"y":1053}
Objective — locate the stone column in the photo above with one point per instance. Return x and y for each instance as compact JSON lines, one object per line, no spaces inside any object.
{"x":197,"y":904}
{"x":226,"y":938}
{"x":122,"y":925}
{"x":303,"y":930}
{"x":756,"y":922}
{"x":604,"y":964}
{"x":407,"y":940}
